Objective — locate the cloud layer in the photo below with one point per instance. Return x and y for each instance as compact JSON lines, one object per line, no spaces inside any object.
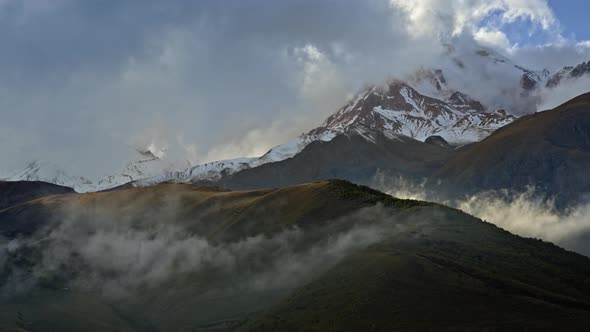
{"x":83,"y":83}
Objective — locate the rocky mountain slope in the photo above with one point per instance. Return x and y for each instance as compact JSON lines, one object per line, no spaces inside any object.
{"x":325,"y":255}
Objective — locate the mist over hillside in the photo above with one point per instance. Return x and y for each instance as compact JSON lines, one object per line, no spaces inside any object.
{"x":161,"y":251}
{"x":229,"y":166}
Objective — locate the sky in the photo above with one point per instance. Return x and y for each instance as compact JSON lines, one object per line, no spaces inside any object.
{"x":84,"y":84}
{"x":573,"y":16}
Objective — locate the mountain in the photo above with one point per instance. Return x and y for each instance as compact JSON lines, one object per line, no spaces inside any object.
{"x":400,"y":109}
{"x":13,"y":193}
{"x":421,"y":105}
{"x":430,"y":102}
{"x":41,"y":170}
{"x":485,"y":63}
{"x":395,"y":110}
{"x":357,"y":154}
{"x":318,"y":256}
{"x":550,"y":150}
{"x":146,"y":165}
{"x":568,"y":73}
{"x":215,"y":170}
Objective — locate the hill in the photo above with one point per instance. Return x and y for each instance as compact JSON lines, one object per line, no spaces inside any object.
{"x":16,"y":192}
{"x":318,"y":256}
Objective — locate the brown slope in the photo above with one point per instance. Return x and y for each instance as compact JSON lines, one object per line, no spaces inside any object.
{"x":185,"y":301}
{"x":431,"y":268}
{"x":207,"y":211}
{"x":550,"y":150}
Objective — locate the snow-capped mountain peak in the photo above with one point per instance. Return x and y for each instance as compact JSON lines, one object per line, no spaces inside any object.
{"x":147,"y":165}
{"x":401,"y":109}
{"x":42,"y":170}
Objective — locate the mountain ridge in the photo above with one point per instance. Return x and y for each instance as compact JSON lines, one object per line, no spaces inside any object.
{"x":423,"y":105}
{"x":328,"y":254}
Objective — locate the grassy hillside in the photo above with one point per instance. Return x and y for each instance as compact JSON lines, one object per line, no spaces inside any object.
{"x":322,"y":256}
{"x":459,"y":275}
{"x":209,"y":212}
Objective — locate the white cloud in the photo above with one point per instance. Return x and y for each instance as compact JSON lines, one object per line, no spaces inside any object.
{"x":492,"y":38}
{"x":551,"y":56}
{"x":452,"y":18}
{"x":527,"y":215}
{"x":253,"y":143}
{"x":566,"y":90}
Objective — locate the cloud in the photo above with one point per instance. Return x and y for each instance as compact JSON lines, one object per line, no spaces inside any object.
{"x":119,"y":255}
{"x":253,"y":143}
{"x":566,"y":90}
{"x":81,"y":80}
{"x":552,"y":56}
{"x":492,"y":38}
{"x":528,"y":215}
{"x":525,"y":213}
{"x":451,"y":18}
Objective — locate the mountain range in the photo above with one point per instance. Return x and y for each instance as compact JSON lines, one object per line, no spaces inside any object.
{"x":547,"y":149}
{"x":419,"y":106}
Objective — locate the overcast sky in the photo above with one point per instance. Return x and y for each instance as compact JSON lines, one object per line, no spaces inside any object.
{"x":82,"y":83}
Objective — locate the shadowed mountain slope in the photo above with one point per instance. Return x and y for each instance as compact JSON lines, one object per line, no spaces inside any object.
{"x":16,"y":192}
{"x":355,"y":156}
{"x":454,"y":274}
{"x":549,"y":150}
{"x":318,"y":256}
